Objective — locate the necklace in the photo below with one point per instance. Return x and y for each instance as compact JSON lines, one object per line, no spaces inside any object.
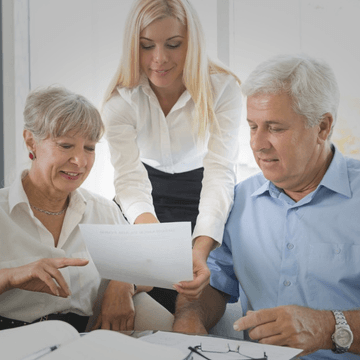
{"x":50,"y":212}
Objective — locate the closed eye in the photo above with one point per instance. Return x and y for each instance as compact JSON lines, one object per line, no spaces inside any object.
{"x":173,"y":46}
{"x":65,"y":146}
{"x":276,"y":130}
{"x":147,"y":47}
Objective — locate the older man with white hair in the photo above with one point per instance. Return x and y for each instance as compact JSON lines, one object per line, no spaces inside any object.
{"x":292,"y":240}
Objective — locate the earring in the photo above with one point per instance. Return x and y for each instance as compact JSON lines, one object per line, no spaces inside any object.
{"x":32,"y":155}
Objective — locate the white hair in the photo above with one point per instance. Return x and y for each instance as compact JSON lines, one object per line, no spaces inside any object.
{"x":54,"y":111}
{"x":310,"y":82}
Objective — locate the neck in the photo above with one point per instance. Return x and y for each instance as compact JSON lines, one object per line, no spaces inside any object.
{"x":42,"y":199}
{"x":317,"y":175}
{"x":172,"y":92}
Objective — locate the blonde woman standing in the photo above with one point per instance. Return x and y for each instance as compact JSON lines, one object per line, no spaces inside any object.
{"x":172,"y":119}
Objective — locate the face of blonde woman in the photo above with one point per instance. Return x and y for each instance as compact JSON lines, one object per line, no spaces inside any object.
{"x":62,"y":164}
{"x":163,"y":47}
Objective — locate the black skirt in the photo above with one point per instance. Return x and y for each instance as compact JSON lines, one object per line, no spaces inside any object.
{"x":176,"y":198}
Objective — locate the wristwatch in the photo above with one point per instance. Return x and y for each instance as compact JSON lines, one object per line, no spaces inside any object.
{"x":343,"y":336}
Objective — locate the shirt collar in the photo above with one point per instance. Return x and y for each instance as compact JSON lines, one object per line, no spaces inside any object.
{"x":336,"y":178}
{"x":17,"y":193}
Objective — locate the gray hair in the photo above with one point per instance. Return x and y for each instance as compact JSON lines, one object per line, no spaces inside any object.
{"x":310,"y":82}
{"x":55,"y":111}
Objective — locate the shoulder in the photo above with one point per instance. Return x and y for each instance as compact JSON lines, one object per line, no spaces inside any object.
{"x":248,"y":186}
{"x":225,"y":87}
{"x":223,"y":80}
{"x":103,"y":207}
{"x":123,"y":101}
{"x":353,"y":167}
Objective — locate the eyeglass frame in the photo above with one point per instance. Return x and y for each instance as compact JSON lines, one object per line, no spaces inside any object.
{"x":198,"y":348}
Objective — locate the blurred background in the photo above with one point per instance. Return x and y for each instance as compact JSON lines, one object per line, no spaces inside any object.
{"x":77,"y":43}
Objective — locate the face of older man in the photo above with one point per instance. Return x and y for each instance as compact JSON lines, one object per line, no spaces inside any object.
{"x":289,"y":154}
{"x":62,"y":164}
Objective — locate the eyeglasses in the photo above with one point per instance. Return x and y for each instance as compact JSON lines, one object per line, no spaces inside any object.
{"x":199,"y":350}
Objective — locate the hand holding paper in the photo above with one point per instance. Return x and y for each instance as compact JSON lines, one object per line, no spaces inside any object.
{"x":145,"y":254}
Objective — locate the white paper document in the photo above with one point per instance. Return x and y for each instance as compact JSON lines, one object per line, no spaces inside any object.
{"x":146,"y":254}
{"x":216,"y":348}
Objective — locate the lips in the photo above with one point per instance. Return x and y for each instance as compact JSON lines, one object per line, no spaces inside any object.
{"x":161,"y":72}
{"x":70,"y":175}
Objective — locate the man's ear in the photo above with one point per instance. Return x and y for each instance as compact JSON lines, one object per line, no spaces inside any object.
{"x":325,"y":127}
{"x":29,"y":140}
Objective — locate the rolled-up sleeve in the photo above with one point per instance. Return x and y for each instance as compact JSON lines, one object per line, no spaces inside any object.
{"x":217,"y":192}
{"x":222,"y":276}
{"x":132,"y":185}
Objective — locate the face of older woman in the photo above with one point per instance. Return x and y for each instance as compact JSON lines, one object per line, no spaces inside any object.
{"x":62,"y":164}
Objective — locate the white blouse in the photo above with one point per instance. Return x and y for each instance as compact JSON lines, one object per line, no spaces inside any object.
{"x":24,"y":239}
{"x":138,"y":131}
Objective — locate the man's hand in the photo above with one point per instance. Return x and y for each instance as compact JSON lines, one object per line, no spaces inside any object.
{"x":192,"y":289}
{"x":40,"y":276}
{"x":290,"y":325}
{"x":117,"y":308}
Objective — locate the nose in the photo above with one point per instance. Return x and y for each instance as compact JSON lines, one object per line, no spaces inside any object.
{"x":160,"y":55}
{"x":259,"y":140}
{"x":79,"y":158}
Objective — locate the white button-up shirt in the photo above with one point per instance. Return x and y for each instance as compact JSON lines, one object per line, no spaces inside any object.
{"x":25,"y":239}
{"x":138,"y":131}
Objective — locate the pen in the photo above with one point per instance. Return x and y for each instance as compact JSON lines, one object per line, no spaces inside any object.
{"x":197,"y":352}
{"x":40,"y":353}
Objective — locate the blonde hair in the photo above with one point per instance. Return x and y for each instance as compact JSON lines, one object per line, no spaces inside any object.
{"x":55,"y":111}
{"x":197,"y":68}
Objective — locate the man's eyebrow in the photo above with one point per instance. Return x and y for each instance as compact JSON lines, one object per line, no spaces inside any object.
{"x":268,"y":122}
{"x":170,"y":38}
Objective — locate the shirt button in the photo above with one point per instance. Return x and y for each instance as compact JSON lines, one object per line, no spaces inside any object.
{"x":338,"y":251}
{"x":287,"y":283}
{"x":290,"y":246}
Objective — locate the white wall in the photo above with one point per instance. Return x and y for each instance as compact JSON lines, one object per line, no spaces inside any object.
{"x":327,"y":29}
{"x":77,"y":43}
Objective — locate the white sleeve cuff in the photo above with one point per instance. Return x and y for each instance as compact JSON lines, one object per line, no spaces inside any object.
{"x":137,"y":209}
{"x":209,"y":226}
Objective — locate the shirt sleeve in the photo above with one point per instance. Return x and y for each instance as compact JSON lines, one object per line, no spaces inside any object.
{"x":132,"y":185}
{"x":217,"y":192}
{"x":222,"y":276}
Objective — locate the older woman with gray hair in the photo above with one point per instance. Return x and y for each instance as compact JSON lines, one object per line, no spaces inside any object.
{"x":41,"y":211}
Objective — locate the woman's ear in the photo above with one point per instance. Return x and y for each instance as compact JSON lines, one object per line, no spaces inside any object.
{"x":29,"y":140}
{"x":325,"y":126}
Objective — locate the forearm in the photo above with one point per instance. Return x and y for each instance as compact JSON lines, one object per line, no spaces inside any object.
{"x":203,"y":245}
{"x":4,"y":281}
{"x":202,"y":314}
{"x":146,"y":218}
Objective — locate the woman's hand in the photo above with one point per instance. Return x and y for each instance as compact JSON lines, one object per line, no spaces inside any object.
{"x":39,"y":276}
{"x":201,"y":250}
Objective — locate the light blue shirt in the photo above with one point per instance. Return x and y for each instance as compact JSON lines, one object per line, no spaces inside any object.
{"x":284,"y":252}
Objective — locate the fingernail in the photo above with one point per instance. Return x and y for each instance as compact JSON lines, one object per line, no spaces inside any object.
{"x":236,"y":328}
{"x":57,"y":292}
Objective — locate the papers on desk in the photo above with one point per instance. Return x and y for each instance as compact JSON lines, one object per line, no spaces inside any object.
{"x":250,"y":349}
{"x":145,"y":254}
{"x":32,"y":342}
